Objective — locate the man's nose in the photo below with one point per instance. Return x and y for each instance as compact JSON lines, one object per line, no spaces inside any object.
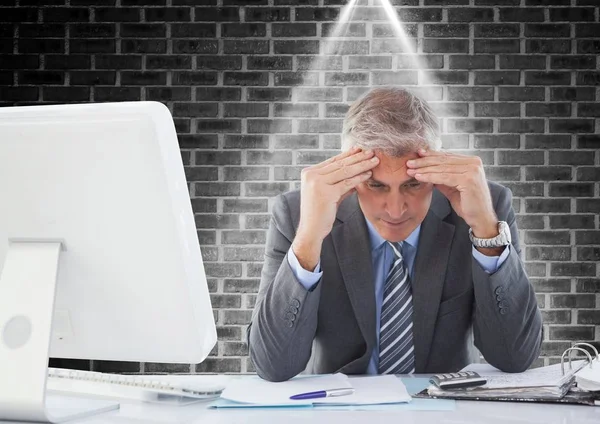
{"x":395,"y":206}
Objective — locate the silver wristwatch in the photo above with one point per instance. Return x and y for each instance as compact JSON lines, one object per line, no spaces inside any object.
{"x":502,"y":239}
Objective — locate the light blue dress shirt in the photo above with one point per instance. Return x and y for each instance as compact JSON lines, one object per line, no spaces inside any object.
{"x":381,"y":256}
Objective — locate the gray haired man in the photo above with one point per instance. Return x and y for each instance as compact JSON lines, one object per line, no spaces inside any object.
{"x":394,"y":257}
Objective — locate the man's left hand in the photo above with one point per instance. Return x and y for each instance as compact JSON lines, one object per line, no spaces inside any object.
{"x":462,"y":180}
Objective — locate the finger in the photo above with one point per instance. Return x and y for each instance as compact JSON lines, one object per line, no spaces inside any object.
{"x":343,"y":155}
{"x":436,"y":169}
{"x":349,"y":171}
{"x":345,"y":162}
{"x":350,"y":183}
{"x":439,"y":160}
{"x":443,"y":178}
{"x":427,"y":153}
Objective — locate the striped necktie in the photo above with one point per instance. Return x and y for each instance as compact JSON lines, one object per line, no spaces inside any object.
{"x":396,"y":349}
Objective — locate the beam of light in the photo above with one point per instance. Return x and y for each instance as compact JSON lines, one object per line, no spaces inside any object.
{"x":403,"y":39}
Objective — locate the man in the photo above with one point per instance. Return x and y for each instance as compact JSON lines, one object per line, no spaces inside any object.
{"x":394,"y":257}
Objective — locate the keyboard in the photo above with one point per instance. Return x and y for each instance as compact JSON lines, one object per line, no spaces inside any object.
{"x":134,"y":387}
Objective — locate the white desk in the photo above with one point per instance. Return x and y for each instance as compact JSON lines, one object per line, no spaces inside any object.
{"x":465,"y":412}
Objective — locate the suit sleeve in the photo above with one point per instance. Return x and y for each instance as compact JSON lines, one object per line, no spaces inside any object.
{"x":284,"y":320}
{"x":507,"y":322}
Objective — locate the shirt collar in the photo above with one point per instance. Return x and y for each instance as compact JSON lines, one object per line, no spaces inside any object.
{"x":377,"y":240}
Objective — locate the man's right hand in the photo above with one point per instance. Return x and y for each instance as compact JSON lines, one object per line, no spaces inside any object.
{"x":323,"y":188}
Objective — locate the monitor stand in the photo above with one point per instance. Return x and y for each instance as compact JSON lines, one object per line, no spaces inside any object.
{"x":27,"y":292}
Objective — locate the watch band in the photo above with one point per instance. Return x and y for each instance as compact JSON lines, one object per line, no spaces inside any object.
{"x":502,"y":239}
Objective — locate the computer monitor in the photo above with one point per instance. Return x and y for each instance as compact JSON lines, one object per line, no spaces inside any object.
{"x":99,"y":253}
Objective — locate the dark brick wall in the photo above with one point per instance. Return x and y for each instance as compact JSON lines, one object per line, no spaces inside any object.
{"x":516,"y":82}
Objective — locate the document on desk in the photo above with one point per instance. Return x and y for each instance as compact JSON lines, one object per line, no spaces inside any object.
{"x":255,"y":392}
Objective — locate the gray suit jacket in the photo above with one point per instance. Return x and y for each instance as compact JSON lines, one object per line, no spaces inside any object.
{"x":332,"y":328}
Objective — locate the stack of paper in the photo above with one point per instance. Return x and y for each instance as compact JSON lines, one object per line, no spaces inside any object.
{"x":255,"y":392}
{"x":588,"y":378}
{"x":538,"y":383}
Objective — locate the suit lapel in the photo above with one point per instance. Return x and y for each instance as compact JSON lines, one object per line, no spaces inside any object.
{"x":429,"y":273}
{"x":353,"y":249}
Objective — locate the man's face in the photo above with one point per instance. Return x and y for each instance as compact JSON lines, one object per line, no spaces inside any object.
{"x":391,"y":200}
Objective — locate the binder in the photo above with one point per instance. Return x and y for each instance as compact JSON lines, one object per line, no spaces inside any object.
{"x":574,"y":382}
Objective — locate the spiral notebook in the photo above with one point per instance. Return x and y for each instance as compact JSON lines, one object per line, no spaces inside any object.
{"x":566,"y":382}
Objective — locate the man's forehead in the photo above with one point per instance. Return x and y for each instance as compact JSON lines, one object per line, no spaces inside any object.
{"x":393,"y":165}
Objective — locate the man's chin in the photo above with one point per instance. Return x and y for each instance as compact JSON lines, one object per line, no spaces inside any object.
{"x":394,"y":232}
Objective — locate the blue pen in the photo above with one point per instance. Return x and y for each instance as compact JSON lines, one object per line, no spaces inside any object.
{"x":322,"y":394}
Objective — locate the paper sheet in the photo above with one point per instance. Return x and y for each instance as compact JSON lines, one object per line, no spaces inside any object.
{"x":373,"y":390}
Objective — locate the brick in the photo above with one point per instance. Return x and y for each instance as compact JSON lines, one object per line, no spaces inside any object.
{"x":497,"y":77}
{"x":93,"y":78}
{"x":547,"y":141}
{"x":40,"y":45}
{"x":246,"y":141}
{"x":20,"y":61}
{"x":258,"y":221}
{"x":346,"y":78}
{"x":571,"y":190}
{"x":226,"y":301}
{"x":193,"y":30}
{"x":554,"y":348}
{"x":268,"y":126}
{"x":218,"y":94}
{"x":243,"y":237}
{"x":495,"y":30}
{"x":182,"y":125}
{"x":168,"y":62}
{"x":572,"y":14}
{"x":556,"y":317}
{"x":573,"y":301}
{"x":426,"y":61}
{"x":319,"y":125}
{"x":575,"y":269}
{"x":270,"y":63}
{"x":41,"y":77}
{"x":446,"y":30}
{"x":587,"y":237}
{"x":496,"y":46}
{"x":547,"y":253}
{"x":470,"y":94}
{"x":588,"y":46}
{"x":588,"y":78}
{"x":588,"y":205}
{"x":229,"y":333}
{"x":210,"y":254}
{"x":588,"y":109}
{"x":547,"y":205}
{"x":167,"y":14}
{"x":194,"y":78}
{"x":63,"y":14}
{"x":547,"y":237}
{"x":245,"y":173}
{"x":588,"y":254}
{"x":269,"y":94}
{"x":143,"y":46}
{"x":521,"y":125}
{"x":217,"y":126}
{"x":547,"y":78}
{"x":520,"y":189}
{"x":551,"y":285}
{"x":573,"y":62}
{"x":588,"y":173}
{"x":572,"y":333}
{"x":350,"y":30}
{"x":296,"y":47}
{"x":66,"y":94}
{"x":207,"y":237}
{"x":246,"y":78}
{"x":296,"y":141}
{"x":370,"y":62}
{"x":219,"y":365}
{"x":318,"y":63}
{"x":244,"y":253}
{"x":520,"y":157}
{"x":548,"y":109}
{"x":117,"y":94}
{"x":418,"y":14}
{"x":588,"y":317}
{"x":296,"y":110}
{"x":254,"y":270}
{"x":569,"y":157}
{"x":503,"y":173}
{"x":143,"y":78}
{"x":257,"y":157}
{"x":246,"y":109}
{"x":223,"y":270}
{"x":436,"y":45}
{"x":495,"y":141}
{"x":265,"y":189}
{"x":245,"y":47}
{"x":588,"y":286}
{"x":196,"y":46}
{"x":218,"y":158}
{"x":522,"y":62}
{"x":336,"y":110}
{"x":243,"y":30}
{"x":548,"y":173}
{"x":535,"y":269}
{"x":244,"y":205}
{"x":268,"y":14}
{"x":199,"y":141}
{"x":294,"y":30}
{"x":35,"y":31}
{"x":530,"y":222}
{"x":217,"y":14}
{"x":469,"y":125}
{"x":296,"y":78}
{"x":547,"y":30}
{"x":241,"y":286}
{"x":118,"y":62}
{"x":470,"y":14}
{"x":588,"y":141}
{"x":497,"y":109}
{"x":538,"y":46}
{"x":235,"y":349}
{"x":239,"y":317}
{"x":215,"y":189}
{"x":395,"y":78}
{"x":571,"y":125}
{"x":472,"y":62}
{"x":288,"y":173}
{"x":521,"y":14}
